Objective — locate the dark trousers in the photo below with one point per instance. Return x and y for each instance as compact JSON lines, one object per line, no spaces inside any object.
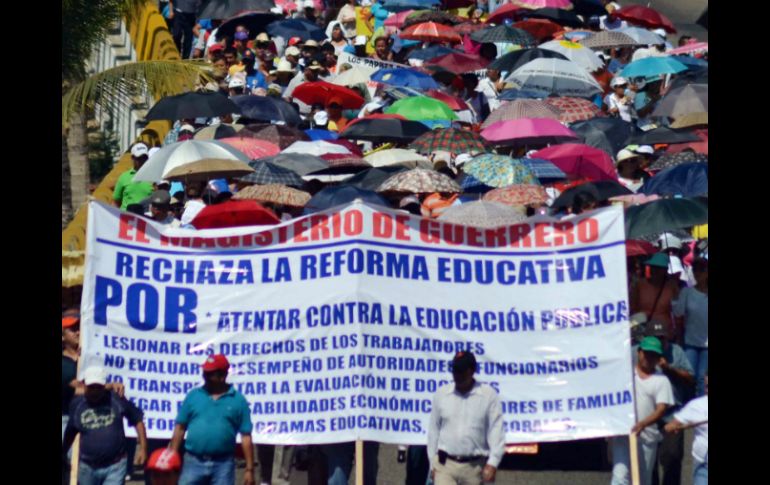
{"x":265,"y":455}
{"x":417,"y":465}
{"x":182,"y":32}
{"x":670,"y":454}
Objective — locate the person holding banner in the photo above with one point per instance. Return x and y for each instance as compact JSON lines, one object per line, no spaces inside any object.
{"x":696,"y":414}
{"x":212,"y":415}
{"x":466,"y":441}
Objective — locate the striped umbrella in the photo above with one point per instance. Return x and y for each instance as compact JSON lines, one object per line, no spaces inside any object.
{"x":270,"y":173}
{"x":574,"y":109}
{"x":576,"y":53}
{"x":419,"y":181}
{"x":449,"y":140}
{"x":499,"y":171}
{"x":504,"y":33}
{"x":518,"y":195}
{"x":274,"y":193}
{"x":543,"y":169}
{"x":522,"y":108}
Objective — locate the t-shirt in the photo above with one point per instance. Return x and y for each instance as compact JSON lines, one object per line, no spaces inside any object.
{"x":624,"y":106}
{"x":69,"y":369}
{"x":650,"y":392}
{"x":191,"y":209}
{"x":256,"y":81}
{"x":101,"y":427}
{"x":696,"y":411}
{"x":213,"y":424}
{"x":129,"y":192}
{"x":677,"y":359}
{"x":693,"y":305}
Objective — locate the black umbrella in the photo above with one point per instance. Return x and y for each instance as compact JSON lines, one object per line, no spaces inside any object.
{"x":691,"y":76}
{"x":663,"y":135}
{"x":372,"y":178}
{"x":561,"y":17}
{"x":589,"y":8}
{"x":341,"y":194}
{"x":514,"y":60}
{"x":296,"y":28}
{"x":674,"y":159}
{"x":384,"y":130}
{"x":608,"y":134}
{"x":504,"y":33}
{"x":688,"y":180}
{"x":600,"y":190}
{"x":224,"y":9}
{"x":192,"y":105}
{"x":665,"y":215}
{"x":269,"y":173}
{"x":265,"y":108}
{"x":255,"y":22}
{"x":300,"y":163}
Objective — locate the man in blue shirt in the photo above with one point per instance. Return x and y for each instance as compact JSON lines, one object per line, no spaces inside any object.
{"x":212,"y":415}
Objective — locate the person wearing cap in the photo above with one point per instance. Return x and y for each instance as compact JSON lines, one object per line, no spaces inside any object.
{"x":693,"y":305}
{"x":97,"y":416}
{"x":653,"y":395}
{"x":696,"y":414}
{"x":164,"y":466}
{"x":211,"y":416}
{"x":617,"y":103}
{"x":237,"y":84}
{"x":309,"y":74}
{"x":654,"y":294}
{"x":466,"y":441}
{"x":337,"y":122}
{"x":183,"y":12}
{"x":160,"y":209}
{"x":291,"y":55}
{"x":127,"y":192}
{"x":629,"y":173}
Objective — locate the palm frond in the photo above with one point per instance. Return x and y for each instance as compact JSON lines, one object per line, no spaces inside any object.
{"x":120,"y":86}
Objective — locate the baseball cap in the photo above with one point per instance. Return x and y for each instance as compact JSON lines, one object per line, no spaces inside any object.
{"x":295,"y":40}
{"x":625,"y":155}
{"x":644,"y":149}
{"x":658,"y":259}
{"x":139,"y":149}
{"x":216,"y":362}
{"x":310,"y":43}
{"x":315,"y":65}
{"x":241,"y":35}
{"x":308,"y":4}
{"x":463,"y":361}
{"x":292,"y":51}
{"x":70,"y":318}
{"x":160,"y":197}
{"x":95,"y":375}
{"x":651,"y":344}
{"x":164,"y":460}
{"x":655,"y":328}
{"x":618,"y":81}
{"x":263,"y":37}
{"x":321,"y":118}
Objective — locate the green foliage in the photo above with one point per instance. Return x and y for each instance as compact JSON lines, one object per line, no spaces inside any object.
{"x":102,"y":151}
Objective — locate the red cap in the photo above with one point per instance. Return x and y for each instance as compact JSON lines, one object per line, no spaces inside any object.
{"x":164,"y":460}
{"x":70,"y":317}
{"x":216,"y":47}
{"x":295,"y":40}
{"x":216,"y":362}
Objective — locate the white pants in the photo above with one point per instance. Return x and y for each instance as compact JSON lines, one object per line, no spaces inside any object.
{"x":621,"y":460}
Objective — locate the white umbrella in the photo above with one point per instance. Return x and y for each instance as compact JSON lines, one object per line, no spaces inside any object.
{"x":576,"y":53}
{"x":556,"y":76}
{"x":316,"y":148}
{"x":397,"y":156}
{"x":351,"y":77}
{"x":177,"y":154}
{"x":642,"y":36}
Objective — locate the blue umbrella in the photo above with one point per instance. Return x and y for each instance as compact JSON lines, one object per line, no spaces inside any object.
{"x":431,"y":52}
{"x":687,"y":180}
{"x":691,"y":62}
{"x":321,"y":135}
{"x":472,"y":185}
{"x":543,"y":169}
{"x":405,"y":78}
{"x":436,"y":123}
{"x":341,"y":194}
{"x":653,"y":66}
{"x":400,"y":92}
{"x":513,"y":94}
{"x":296,"y":28}
{"x":401,"y":5}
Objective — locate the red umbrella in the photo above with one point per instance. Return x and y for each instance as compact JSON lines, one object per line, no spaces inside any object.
{"x":397,"y":19}
{"x":430,"y":32}
{"x":234,"y":213}
{"x":253,"y":147}
{"x":507,"y":11}
{"x":698,"y":146}
{"x":540,"y":29}
{"x":453,"y":102}
{"x":637,"y":247}
{"x":352,"y":147}
{"x":578,"y":160}
{"x":459,"y":63}
{"x":645,"y":17}
{"x":321,"y":92}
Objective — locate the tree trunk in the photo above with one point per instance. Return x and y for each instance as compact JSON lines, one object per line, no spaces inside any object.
{"x":66,"y":192}
{"x":77,"y":144}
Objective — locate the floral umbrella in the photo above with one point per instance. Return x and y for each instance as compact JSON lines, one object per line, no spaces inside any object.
{"x":482,"y":213}
{"x":275,"y":193}
{"x":419,"y":181}
{"x":449,"y":140}
{"x":574,"y":109}
{"x":518,"y":195}
{"x":499,"y":171}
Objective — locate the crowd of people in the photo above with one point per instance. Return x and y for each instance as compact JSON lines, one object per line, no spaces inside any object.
{"x":667,"y":277}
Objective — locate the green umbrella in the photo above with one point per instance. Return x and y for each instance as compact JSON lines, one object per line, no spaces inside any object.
{"x":421,"y":108}
{"x":665,"y":215}
{"x":499,"y":171}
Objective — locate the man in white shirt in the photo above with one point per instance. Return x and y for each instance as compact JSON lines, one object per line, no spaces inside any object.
{"x":465,"y":437}
{"x":491,"y":87}
{"x":696,"y":413}
{"x":653,"y":396}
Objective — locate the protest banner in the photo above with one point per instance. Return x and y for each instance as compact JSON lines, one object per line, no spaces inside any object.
{"x":341,"y":325}
{"x":368,"y":65}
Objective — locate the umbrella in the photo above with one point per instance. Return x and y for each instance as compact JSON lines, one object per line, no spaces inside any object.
{"x":453,"y":102}
{"x":540,"y":29}
{"x":176,"y":154}
{"x":608,"y":39}
{"x":543,"y":169}
{"x":224,"y":9}
{"x":301,"y":28}
{"x":521,"y":108}
{"x":253,"y":21}
{"x":275,"y":194}
{"x":556,"y":76}
{"x":574,"y":109}
{"x":422,"y":108}
{"x":574,"y":35}
{"x":323,"y":93}
{"x":576,"y":53}
{"x":645,"y":17}
{"x":700,"y":146}
{"x":561,"y":17}
{"x":321,"y":134}
{"x":431,"y":16}
{"x":638,"y":247}
{"x":698,"y":76}
{"x":401,"y":92}
{"x":664,"y":215}
{"x":482,"y":213}
{"x":299,"y":163}
{"x":449,"y":140}
{"x":404,"y":77}
{"x":215,"y":132}
{"x":600,"y":190}
{"x":608,"y":134}
{"x":641,"y":36}
{"x":578,"y":160}
{"x":252,"y":147}
{"x":459,"y":63}
{"x":467,"y":28}
{"x":234,"y":213}
{"x":504,"y":33}
{"x":431,"y":52}
{"x":692,"y":63}
{"x":499,"y":171}
{"x":669,"y":160}
{"x":514,"y":94}
{"x":419,"y":181}
{"x":339,"y":195}
{"x":343,"y":163}
{"x":192,"y":105}
{"x":351,"y":77}
{"x":652,"y":66}
{"x":207,"y":169}
{"x":347,"y":144}
{"x":270,"y":173}
{"x":384,"y":130}
{"x":691,"y":98}
{"x":589,"y":8}
{"x":688,"y":180}
{"x":372,"y":178}
{"x":505,"y":12}
{"x":536,"y":4}
{"x":430,"y":32}
{"x":317,"y":148}
{"x":280,"y":135}
{"x":692,"y":48}
{"x":397,"y":19}
{"x":401,"y":5}
{"x":699,"y":118}
{"x":525,"y":131}
{"x":518,"y":195}
{"x":663,"y":135}
{"x":397,"y":156}
{"x":267,"y":108}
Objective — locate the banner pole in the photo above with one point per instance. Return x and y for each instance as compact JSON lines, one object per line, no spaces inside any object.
{"x":359,"y":462}
{"x":634,"y":445}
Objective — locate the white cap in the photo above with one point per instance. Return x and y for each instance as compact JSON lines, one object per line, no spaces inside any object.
{"x":462,"y":158}
{"x":153,"y":151}
{"x":660,"y":32}
{"x":625,"y":155}
{"x":321,"y":118}
{"x":139,"y":149}
{"x":187,"y":127}
{"x":95,"y":375}
{"x":292,"y":51}
{"x":310,"y":43}
{"x":360,"y":40}
{"x":669,"y":241}
{"x":308,"y":4}
{"x":645,"y":149}
{"x":618,"y":81}
{"x":236,"y":82}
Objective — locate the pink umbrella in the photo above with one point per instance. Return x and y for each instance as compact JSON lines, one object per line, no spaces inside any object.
{"x":527,"y":131}
{"x":397,"y":19}
{"x":690,"y":48}
{"x":252,"y":147}
{"x":577,"y":160}
{"x":535,"y":4}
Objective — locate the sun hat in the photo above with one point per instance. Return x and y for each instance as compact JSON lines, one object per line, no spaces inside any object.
{"x":292,"y":50}
{"x":618,"y":81}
